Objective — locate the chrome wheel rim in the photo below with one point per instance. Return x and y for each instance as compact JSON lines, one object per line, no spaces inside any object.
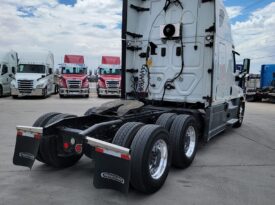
{"x":190,"y":141}
{"x":158,"y":159}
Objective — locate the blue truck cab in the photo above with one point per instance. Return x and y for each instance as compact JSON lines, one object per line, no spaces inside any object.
{"x":268,"y":76}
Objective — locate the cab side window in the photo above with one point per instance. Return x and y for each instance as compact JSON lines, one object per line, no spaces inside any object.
{"x":4,"y":69}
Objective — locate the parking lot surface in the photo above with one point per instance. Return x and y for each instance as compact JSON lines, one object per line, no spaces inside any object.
{"x":236,"y":167}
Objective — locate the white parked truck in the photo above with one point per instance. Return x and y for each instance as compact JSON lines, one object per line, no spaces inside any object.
{"x":8,"y":65}
{"x":34,"y":76}
{"x":179,"y":85}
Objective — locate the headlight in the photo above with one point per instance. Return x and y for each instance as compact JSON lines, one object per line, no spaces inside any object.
{"x":40,"y":86}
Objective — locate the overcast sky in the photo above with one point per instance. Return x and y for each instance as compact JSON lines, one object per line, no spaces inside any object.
{"x":93,"y":28}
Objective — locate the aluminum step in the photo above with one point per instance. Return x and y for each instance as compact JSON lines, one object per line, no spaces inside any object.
{"x":232,"y":121}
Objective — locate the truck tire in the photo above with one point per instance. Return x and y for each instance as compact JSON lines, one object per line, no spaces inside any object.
{"x":184,"y":140}
{"x":1,"y":91}
{"x":45,"y":93}
{"x":15,"y":96}
{"x":240,"y":116}
{"x":56,"y":90}
{"x":90,"y":111}
{"x":61,"y":96}
{"x":41,"y":122}
{"x":250,"y":99}
{"x":150,"y":158}
{"x":126,"y":134}
{"x":166,"y":120}
{"x":49,"y":148}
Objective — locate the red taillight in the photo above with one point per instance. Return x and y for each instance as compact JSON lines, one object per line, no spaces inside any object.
{"x":19,"y":134}
{"x":125,"y":156}
{"x":37,"y":136}
{"x":78,"y":148}
{"x":100,"y":150}
{"x":66,"y":145}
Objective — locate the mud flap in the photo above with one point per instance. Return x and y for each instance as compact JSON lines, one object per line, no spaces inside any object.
{"x":112,"y":171}
{"x":27,"y":145}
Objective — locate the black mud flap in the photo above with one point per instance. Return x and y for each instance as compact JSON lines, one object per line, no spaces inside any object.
{"x":112,"y":172}
{"x":26,"y":148}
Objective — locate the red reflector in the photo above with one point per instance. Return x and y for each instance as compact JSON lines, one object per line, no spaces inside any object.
{"x":19,"y":134}
{"x":100,"y":150}
{"x":125,"y":156}
{"x":66,"y":145}
{"x":78,"y":148}
{"x":37,"y":136}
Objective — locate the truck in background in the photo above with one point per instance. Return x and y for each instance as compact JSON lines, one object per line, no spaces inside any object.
{"x":8,"y":65}
{"x":253,"y":84}
{"x":74,"y":80}
{"x":264,"y":85}
{"x":34,"y":76}
{"x":109,"y":77}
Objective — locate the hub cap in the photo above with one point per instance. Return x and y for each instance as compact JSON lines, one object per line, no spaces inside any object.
{"x":190,"y":141}
{"x":158,"y":159}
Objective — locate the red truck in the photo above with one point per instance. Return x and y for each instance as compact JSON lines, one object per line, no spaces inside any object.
{"x":74,"y":79}
{"x":109,"y":77}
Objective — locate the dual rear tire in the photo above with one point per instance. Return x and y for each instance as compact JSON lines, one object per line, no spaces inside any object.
{"x":150,"y":154}
{"x":48,"y":149}
{"x":173,"y":140}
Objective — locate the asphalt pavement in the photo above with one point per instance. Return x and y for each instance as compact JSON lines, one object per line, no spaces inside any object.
{"x":236,"y":167}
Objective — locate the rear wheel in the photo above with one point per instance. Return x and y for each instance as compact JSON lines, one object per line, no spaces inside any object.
{"x":41,"y":122}
{"x":240,"y":116}
{"x":49,"y":148}
{"x":126,"y":134}
{"x":45,"y":92}
{"x":56,"y":90}
{"x":150,"y":163}
{"x":166,"y":120}
{"x":184,"y":140}
{"x":1,"y":91}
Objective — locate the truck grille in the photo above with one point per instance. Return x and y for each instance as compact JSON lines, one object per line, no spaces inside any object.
{"x":25,"y":86}
{"x":74,"y":84}
{"x":112,"y":84}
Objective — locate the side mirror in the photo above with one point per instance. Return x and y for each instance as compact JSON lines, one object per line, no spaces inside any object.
{"x":50,"y":71}
{"x":246,"y":66}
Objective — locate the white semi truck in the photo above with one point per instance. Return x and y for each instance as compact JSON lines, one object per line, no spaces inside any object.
{"x":8,"y":65}
{"x":179,"y":85}
{"x":34,"y":76}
